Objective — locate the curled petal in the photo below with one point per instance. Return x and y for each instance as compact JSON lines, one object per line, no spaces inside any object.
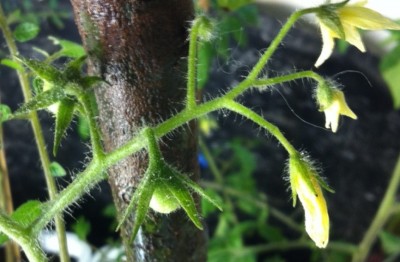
{"x":328,"y":43}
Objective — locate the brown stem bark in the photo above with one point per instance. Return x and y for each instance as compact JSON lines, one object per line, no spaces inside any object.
{"x":139,"y":47}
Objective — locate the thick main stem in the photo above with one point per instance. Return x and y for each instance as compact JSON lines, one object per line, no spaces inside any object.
{"x":137,"y":47}
{"x":38,"y":134}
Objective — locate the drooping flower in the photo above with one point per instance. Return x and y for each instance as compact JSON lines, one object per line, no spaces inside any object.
{"x":305,"y":184}
{"x":343,"y":20}
{"x":337,"y":107}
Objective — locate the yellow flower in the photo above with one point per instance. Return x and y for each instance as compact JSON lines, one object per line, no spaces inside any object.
{"x":342,"y":21}
{"x":337,"y":107}
{"x":305,"y":184}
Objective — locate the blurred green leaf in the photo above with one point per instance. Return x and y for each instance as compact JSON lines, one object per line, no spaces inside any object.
{"x":25,"y":215}
{"x":57,"y":170}
{"x":68,"y":48}
{"x":14,"y":16}
{"x":270,"y":233}
{"x":390,"y":243}
{"x":5,"y":112}
{"x":390,"y":69}
{"x":233,"y":4}
{"x":26,"y":31}
{"x":208,"y":208}
{"x":81,"y":228}
{"x":11,"y":63}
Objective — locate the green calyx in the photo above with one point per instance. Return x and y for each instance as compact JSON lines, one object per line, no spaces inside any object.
{"x":300,"y":167}
{"x":324,"y":94}
{"x":328,"y":15}
{"x":59,"y":92}
{"x":163,"y":189}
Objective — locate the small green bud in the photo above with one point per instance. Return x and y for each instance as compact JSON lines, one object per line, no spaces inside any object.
{"x":163,"y":201}
{"x":205,"y":28}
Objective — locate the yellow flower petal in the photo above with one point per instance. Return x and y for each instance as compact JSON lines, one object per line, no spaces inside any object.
{"x":365,"y":18}
{"x":335,"y":109}
{"x":328,"y":43}
{"x":353,"y":36}
{"x":316,"y":212}
{"x":305,"y":185}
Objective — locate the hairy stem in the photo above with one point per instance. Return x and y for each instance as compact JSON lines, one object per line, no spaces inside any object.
{"x":192,"y":58}
{"x":38,"y":134}
{"x":6,"y":202}
{"x":22,"y":237}
{"x":274,"y":130}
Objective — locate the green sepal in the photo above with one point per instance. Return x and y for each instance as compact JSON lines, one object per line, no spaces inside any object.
{"x":331,"y":19}
{"x":73,"y":68}
{"x":195,"y":187}
{"x":43,"y":70}
{"x":41,"y":101}
{"x":324,"y":184}
{"x":141,"y":200}
{"x":64,"y":117}
{"x":184,"y":198}
{"x":89,"y":81}
{"x":142,"y":207}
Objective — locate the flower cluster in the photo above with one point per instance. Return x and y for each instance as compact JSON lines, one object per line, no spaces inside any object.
{"x":342,"y":21}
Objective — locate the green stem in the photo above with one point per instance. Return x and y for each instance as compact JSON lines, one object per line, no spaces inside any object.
{"x":274,"y":130}
{"x":192,"y":58}
{"x":243,"y":86}
{"x":38,"y":134}
{"x":276,"y":42}
{"x":22,"y":237}
{"x":154,"y":150}
{"x":95,"y":137}
{"x":384,"y":212}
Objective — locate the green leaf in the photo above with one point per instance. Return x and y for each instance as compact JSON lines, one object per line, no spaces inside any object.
{"x":81,"y":228}
{"x":68,"y":48}
{"x":390,"y":69}
{"x":26,"y":31}
{"x":5,"y":113}
{"x":57,"y":170}
{"x":12,"y":64}
{"x":182,"y":195}
{"x":25,"y":215}
{"x":64,"y":117}
{"x":390,"y":243}
{"x":41,"y":101}
{"x":43,"y":70}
